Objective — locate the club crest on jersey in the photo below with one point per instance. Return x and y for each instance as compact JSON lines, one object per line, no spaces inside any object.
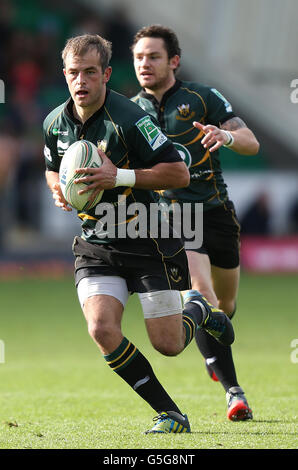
{"x":102,"y":145}
{"x":184,"y":112}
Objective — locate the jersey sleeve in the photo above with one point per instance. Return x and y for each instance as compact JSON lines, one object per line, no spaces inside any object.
{"x":149,"y":145}
{"x":52,"y":159}
{"x":219,"y":109}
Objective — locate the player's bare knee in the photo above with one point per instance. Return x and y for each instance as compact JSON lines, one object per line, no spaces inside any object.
{"x":166,"y":348}
{"x":100,"y":331}
{"x":228,"y":306}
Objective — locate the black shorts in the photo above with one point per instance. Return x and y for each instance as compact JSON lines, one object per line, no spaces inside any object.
{"x":221,"y":236}
{"x":146,"y":264}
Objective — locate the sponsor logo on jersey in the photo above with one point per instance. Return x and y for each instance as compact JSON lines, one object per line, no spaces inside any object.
{"x":151,"y":132}
{"x":199,"y":174}
{"x":62,"y":146}
{"x":57,"y":131}
{"x":184,"y":112}
{"x":184,"y":153}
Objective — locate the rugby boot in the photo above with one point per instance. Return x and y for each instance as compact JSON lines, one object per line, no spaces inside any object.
{"x":238,"y":409}
{"x":215,"y":321}
{"x":169,"y":422}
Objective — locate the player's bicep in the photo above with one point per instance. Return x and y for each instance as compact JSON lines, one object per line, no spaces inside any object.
{"x":219,"y":108}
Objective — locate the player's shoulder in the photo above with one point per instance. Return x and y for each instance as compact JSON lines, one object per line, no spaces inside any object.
{"x":53,"y":118}
{"x":195,"y":88}
{"x":136,"y":98}
{"x":123,"y":109}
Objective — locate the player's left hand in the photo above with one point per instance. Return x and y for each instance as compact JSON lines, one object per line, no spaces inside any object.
{"x":98,"y":179}
{"x":214,"y":137}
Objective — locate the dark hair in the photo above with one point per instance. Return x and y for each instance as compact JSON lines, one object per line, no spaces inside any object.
{"x":158,"y":31}
{"x":79,"y":45}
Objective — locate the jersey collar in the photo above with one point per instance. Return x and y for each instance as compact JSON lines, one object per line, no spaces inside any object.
{"x":167,"y":94}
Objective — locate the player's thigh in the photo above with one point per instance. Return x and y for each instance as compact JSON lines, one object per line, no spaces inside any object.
{"x":103,"y":314}
{"x":163,"y":318}
{"x":226,"y":283}
{"x":200,"y":273}
{"x":102,"y":300}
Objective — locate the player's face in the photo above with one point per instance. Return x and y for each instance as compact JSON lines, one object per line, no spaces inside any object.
{"x":85,"y":79}
{"x":154,"y":69}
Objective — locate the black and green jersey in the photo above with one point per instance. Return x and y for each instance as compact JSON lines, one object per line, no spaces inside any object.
{"x":128,"y":136}
{"x":184,"y":103}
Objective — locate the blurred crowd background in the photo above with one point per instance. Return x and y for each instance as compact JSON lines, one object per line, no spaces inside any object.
{"x":246,"y":51}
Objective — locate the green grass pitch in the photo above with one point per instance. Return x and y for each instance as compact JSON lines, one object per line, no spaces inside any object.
{"x":56,"y":392}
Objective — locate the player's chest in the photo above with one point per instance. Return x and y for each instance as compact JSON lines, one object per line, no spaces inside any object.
{"x":104,"y":135}
{"x":176,"y":119}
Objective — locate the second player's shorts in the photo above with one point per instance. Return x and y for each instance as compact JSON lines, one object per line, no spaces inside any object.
{"x":221,"y":236}
{"x":147,"y":264}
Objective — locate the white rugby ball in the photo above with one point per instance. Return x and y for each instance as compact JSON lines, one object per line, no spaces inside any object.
{"x":81,"y":154}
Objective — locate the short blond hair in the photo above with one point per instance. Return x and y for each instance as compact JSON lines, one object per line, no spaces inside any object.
{"x":79,"y":45}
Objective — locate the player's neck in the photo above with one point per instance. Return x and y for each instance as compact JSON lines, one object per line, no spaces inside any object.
{"x":84,"y":113}
{"x":158,"y":92}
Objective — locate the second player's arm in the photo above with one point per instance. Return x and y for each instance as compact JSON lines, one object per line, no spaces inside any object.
{"x":245,"y":141}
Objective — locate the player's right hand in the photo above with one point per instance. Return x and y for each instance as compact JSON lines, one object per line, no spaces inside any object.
{"x":59,"y":198}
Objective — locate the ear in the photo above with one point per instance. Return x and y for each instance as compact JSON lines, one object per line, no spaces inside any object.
{"x":174,"y":62}
{"x":107,"y":74}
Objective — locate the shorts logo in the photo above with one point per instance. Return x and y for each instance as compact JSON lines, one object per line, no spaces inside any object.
{"x":175,"y":275}
{"x":184,"y":112}
{"x":151,"y":132}
{"x":184,"y":154}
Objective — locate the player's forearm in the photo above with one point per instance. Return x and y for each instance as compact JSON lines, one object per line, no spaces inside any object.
{"x":163,"y":176}
{"x":245,"y":142}
{"x":52,"y":177}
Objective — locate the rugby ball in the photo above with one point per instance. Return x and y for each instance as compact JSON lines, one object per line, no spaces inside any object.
{"x":81,"y":154}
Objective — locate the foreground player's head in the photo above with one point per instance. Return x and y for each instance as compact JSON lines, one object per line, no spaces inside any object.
{"x":156,"y":54}
{"x":80,"y":45}
{"x":86,"y":68}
